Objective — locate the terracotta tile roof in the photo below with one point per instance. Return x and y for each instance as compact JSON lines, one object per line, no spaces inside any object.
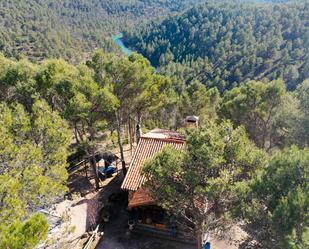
{"x":149,"y":145}
{"x":141,"y":197}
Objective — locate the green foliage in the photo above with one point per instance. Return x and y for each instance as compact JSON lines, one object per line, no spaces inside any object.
{"x":25,"y":235}
{"x":72,"y":29}
{"x":17,"y":81}
{"x":280,"y":194}
{"x":133,"y":82}
{"x":87,"y":95}
{"x":33,"y":153}
{"x":225,"y":44}
{"x":302,"y":94}
{"x":197,"y":100}
{"x":199,"y":183}
{"x":267,"y":111}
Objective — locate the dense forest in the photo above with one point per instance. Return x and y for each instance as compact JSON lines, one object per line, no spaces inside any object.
{"x":54,"y":109}
{"x":225,"y":45}
{"x":71,"y":29}
{"x":242,"y":68}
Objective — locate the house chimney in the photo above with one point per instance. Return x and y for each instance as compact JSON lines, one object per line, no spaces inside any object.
{"x":192,"y":121}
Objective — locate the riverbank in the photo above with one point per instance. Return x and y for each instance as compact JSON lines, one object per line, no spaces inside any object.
{"x":118,"y":40}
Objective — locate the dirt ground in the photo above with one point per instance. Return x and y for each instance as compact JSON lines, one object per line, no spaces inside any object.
{"x":117,"y":235}
{"x":83,"y":211}
{"x":116,"y":232}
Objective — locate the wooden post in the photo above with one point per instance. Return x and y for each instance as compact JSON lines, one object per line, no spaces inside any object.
{"x":199,"y":241}
{"x":93,"y":163}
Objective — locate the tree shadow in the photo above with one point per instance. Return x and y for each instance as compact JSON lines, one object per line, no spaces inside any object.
{"x":256,"y":239}
{"x":80,"y":183}
{"x":107,"y":195}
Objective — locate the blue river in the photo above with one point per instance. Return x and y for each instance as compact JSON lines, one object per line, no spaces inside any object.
{"x":118,"y":40}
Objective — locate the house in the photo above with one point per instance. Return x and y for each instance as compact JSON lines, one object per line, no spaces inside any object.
{"x":145,"y":214}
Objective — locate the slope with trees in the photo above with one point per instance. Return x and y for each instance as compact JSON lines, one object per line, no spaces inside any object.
{"x":276,"y":202}
{"x":72,"y":29}
{"x":224,"y":45}
{"x":45,"y":105}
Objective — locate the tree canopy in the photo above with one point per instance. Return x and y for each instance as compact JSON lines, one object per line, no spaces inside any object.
{"x":33,"y":153}
{"x":199,"y":184}
{"x":72,"y":29}
{"x":242,"y":68}
{"x":272,"y":116}
{"x":277,"y":201}
{"x":225,"y":44}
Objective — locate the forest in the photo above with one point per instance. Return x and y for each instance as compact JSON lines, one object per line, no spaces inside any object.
{"x":45,"y":106}
{"x":72,"y":29}
{"x":242,"y":68}
{"x":223,"y":46}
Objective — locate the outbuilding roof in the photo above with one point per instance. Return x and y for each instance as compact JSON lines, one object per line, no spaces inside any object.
{"x":149,"y":145}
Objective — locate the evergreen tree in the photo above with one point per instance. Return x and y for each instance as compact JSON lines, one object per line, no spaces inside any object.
{"x":33,"y":153}
{"x":199,"y":184}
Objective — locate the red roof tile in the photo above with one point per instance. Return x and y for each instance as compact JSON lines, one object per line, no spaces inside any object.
{"x":149,"y":145}
{"x":141,"y":197}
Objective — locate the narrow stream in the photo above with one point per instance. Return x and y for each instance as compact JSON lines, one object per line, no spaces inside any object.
{"x":118,"y":40}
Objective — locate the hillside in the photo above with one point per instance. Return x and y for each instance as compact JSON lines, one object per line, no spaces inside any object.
{"x":225,"y":45}
{"x":206,"y":141}
{"x":72,"y":28}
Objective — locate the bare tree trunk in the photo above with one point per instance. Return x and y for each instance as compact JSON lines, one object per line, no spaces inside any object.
{"x":133,"y":132}
{"x":76,"y":137}
{"x":76,"y":133}
{"x":138,"y":127}
{"x":127,"y":133}
{"x":130,"y":134}
{"x":299,"y":232}
{"x":120,"y":144}
{"x":93,"y":161}
{"x":86,"y":168}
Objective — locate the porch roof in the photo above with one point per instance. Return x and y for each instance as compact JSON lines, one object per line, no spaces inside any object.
{"x":141,"y":197}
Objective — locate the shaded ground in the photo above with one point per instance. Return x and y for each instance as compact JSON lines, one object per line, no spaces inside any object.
{"x":79,"y":183}
{"x":117,"y":236}
{"x":84,"y":213}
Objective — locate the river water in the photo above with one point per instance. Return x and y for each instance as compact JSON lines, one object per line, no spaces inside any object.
{"x":118,"y":40}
